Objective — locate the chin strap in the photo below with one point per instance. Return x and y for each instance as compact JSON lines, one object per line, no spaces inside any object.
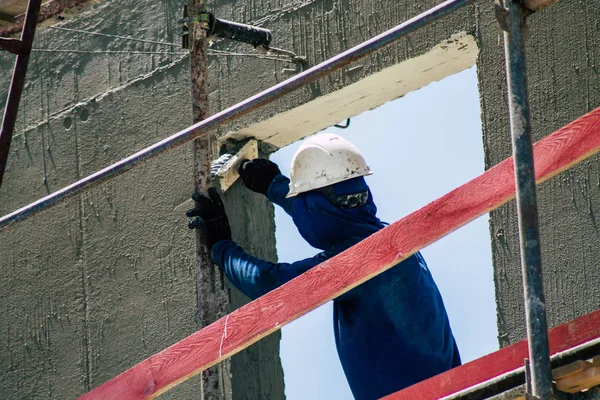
{"x":352,"y":200}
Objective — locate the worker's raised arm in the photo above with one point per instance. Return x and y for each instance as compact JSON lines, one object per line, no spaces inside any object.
{"x":255,"y":277}
{"x":278,"y":190}
{"x":252,"y":276}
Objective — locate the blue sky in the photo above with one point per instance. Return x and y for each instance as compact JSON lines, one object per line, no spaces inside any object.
{"x":419,"y":147}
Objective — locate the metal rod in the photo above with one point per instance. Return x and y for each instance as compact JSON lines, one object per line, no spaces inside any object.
{"x":212,"y":298}
{"x":529,"y":236}
{"x":253,"y":35}
{"x":17,"y":82}
{"x":255,"y":102}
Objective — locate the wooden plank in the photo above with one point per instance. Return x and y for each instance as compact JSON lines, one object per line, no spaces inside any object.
{"x":50,"y":8}
{"x":6,"y":19}
{"x":537,"y":5}
{"x":582,"y":380}
{"x":386,"y":248}
{"x":569,"y":369}
{"x":561,"y":338}
{"x":13,"y":7}
{"x":449,"y":57}
{"x":577,"y":376}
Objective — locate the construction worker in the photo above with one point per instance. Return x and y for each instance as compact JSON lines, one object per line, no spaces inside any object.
{"x":391,"y":331}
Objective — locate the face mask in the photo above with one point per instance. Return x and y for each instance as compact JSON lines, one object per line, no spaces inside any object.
{"x":345,"y":212}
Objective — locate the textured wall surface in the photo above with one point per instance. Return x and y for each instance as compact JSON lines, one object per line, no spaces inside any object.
{"x":107,"y":278}
{"x":564,"y":81}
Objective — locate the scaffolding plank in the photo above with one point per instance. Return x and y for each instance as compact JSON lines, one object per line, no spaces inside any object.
{"x":386,"y":248}
{"x":561,"y":338}
{"x":570,"y":369}
{"x":582,"y":380}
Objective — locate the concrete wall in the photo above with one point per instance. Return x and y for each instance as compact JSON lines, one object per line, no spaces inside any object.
{"x":564,"y":82}
{"x":107,"y":278}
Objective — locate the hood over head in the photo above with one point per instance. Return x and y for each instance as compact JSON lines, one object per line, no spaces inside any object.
{"x":325,"y":226}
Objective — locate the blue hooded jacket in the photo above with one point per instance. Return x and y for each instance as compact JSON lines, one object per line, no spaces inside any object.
{"x":391,"y":331}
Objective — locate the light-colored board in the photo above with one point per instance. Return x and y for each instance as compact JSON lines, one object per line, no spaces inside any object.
{"x":386,"y":248}
{"x":537,"y":5}
{"x":570,"y":369}
{"x":447,"y":58}
{"x":50,"y":8}
{"x":579,"y":381}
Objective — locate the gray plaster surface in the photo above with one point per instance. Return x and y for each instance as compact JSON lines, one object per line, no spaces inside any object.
{"x":564,"y":83}
{"x":107,"y":279}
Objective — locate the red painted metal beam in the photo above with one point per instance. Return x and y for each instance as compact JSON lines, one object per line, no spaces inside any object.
{"x":18,"y":82}
{"x":386,"y":248}
{"x":561,"y":338}
{"x":52,"y":8}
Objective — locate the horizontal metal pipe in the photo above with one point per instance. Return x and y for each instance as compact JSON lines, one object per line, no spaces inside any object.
{"x":253,"y":35}
{"x":265,"y":97}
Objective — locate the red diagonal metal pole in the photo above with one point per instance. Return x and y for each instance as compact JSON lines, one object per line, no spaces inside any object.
{"x":17,"y":83}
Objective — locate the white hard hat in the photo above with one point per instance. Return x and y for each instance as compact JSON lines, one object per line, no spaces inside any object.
{"x":323,"y":160}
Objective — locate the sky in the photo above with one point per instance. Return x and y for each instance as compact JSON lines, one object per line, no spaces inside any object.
{"x":419,"y":147}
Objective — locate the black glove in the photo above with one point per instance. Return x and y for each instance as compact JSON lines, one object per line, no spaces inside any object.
{"x":258,"y":174}
{"x":210,"y":215}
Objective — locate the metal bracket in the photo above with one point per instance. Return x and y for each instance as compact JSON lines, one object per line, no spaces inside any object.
{"x":259,"y":38}
{"x":528,"y":395}
{"x":502,"y":14}
{"x":186,"y":21}
{"x":343,"y":126}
